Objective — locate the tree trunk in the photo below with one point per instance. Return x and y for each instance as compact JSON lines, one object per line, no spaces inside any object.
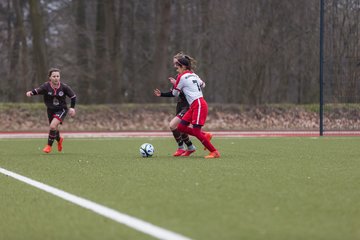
{"x":101,"y":75}
{"x":82,"y":56}
{"x":38,"y":41}
{"x":161,"y":58}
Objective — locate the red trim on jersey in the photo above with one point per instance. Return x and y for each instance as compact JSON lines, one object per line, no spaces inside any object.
{"x":53,"y":87}
{"x":179,"y":76}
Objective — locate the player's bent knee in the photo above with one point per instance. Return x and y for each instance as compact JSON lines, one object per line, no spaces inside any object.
{"x":172,"y":126}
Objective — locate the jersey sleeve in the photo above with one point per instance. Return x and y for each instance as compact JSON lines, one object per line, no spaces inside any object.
{"x":178,"y":86}
{"x":41,"y":90}
{"x":69,"y":92}
{"x":166,"y":94}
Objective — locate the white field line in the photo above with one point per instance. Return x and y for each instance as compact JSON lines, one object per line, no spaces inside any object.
{"x":132,"y":222}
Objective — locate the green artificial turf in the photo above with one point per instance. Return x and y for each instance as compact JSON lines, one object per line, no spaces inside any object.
{"x":260,"y":188}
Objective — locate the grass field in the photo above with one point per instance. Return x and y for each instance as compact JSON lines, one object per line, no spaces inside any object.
{"x":261,"y":188}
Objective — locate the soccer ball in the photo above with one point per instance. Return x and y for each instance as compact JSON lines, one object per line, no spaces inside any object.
{"x":146,"y":150}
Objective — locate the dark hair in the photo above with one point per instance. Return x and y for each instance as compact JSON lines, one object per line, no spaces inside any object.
{"x":186,"y":61}
{"x":51,"y":70}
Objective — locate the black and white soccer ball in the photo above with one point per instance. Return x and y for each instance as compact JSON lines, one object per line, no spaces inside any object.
{"x":147,"y":150}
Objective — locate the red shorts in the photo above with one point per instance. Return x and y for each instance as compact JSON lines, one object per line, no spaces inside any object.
{"x":197,"y":113}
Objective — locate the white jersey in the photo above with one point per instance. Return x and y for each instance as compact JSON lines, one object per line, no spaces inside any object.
{"x":190,"y":84}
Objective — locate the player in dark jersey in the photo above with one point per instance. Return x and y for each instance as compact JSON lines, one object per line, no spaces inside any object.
{"x":181,"y":108}
{"x":55,"y":94}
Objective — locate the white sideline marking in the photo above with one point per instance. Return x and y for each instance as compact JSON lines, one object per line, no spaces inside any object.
{"x":132,"y":222}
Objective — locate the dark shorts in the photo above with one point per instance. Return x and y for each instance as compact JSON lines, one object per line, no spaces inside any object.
{"x":181,"y":109}
{"x":60,"y":114}
{"x":182,"y":112}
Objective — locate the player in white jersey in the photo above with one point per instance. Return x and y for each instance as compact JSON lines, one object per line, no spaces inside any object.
{"x":191,"y":84}
{"x":181,"y":108}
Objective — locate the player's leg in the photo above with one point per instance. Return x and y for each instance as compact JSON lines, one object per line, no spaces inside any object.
{"x":204,"y":137}
{"x":55,"y":119}
{"x":197,"y":118}
{"x":47,"y":148}
{"x":52,"y":134}
{"x":61,"y":116}
{"x":196,"y":131}
{"x":177,"y":136}
{"x":57,"y":134}
{"x":59,"y":139}
{"x":184,"y":136}
{"x":186,"y":139}
{"x":190,"y":147}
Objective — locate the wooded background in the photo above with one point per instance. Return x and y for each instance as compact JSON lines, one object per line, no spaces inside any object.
{"x":118,"y":51}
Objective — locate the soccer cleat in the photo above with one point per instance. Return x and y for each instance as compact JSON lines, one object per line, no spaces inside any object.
{"x":47,"y":149}
{"x":214,"y":154}
{"x":59,"y":144}
{"x":179,"y":152}
{"x":208,"y":136}
{"x":187,"y":153}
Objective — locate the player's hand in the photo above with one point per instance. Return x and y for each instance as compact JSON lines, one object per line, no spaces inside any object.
{"x":172,"y":80}
{"x":29,"y":94}
{"x":72,"y":112}
{"x":157,"y":92}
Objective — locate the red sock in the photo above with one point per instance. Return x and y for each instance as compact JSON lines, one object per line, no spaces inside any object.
{"x":185,"y":129}
{"x":198,"y":134}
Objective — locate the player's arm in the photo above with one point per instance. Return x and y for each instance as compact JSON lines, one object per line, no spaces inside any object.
{"x":158,"y":93}
{"x":166,"y":94}
{"x":73,"y":101}
{"x":172,"y":81}
{"x":177,"y":88}
{"x":202,"y":84}
{"x":30,"y":93}
{"x":72,"y":111}
{"x":71,"y":94}
{"x":176,"y":92}
{"x":36,"y":91}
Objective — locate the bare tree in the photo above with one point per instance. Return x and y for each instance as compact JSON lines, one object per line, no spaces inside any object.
{"x":250,"y":52}
{"x":161,"y":58}
{"x":82,"y":51}
{"x":38,"y":40}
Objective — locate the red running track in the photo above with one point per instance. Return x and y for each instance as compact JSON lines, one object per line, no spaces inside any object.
{"x":168,"y":134}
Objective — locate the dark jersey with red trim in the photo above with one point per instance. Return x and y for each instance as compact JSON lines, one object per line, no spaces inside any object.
{"x":181,"y":103}
{"x":55,"y":98}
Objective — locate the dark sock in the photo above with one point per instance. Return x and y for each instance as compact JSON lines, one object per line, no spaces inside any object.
{"x":186,"y":139}
{"x":57,"y":136}
{"x":52,"y":135}
{"x":177,"y":136}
